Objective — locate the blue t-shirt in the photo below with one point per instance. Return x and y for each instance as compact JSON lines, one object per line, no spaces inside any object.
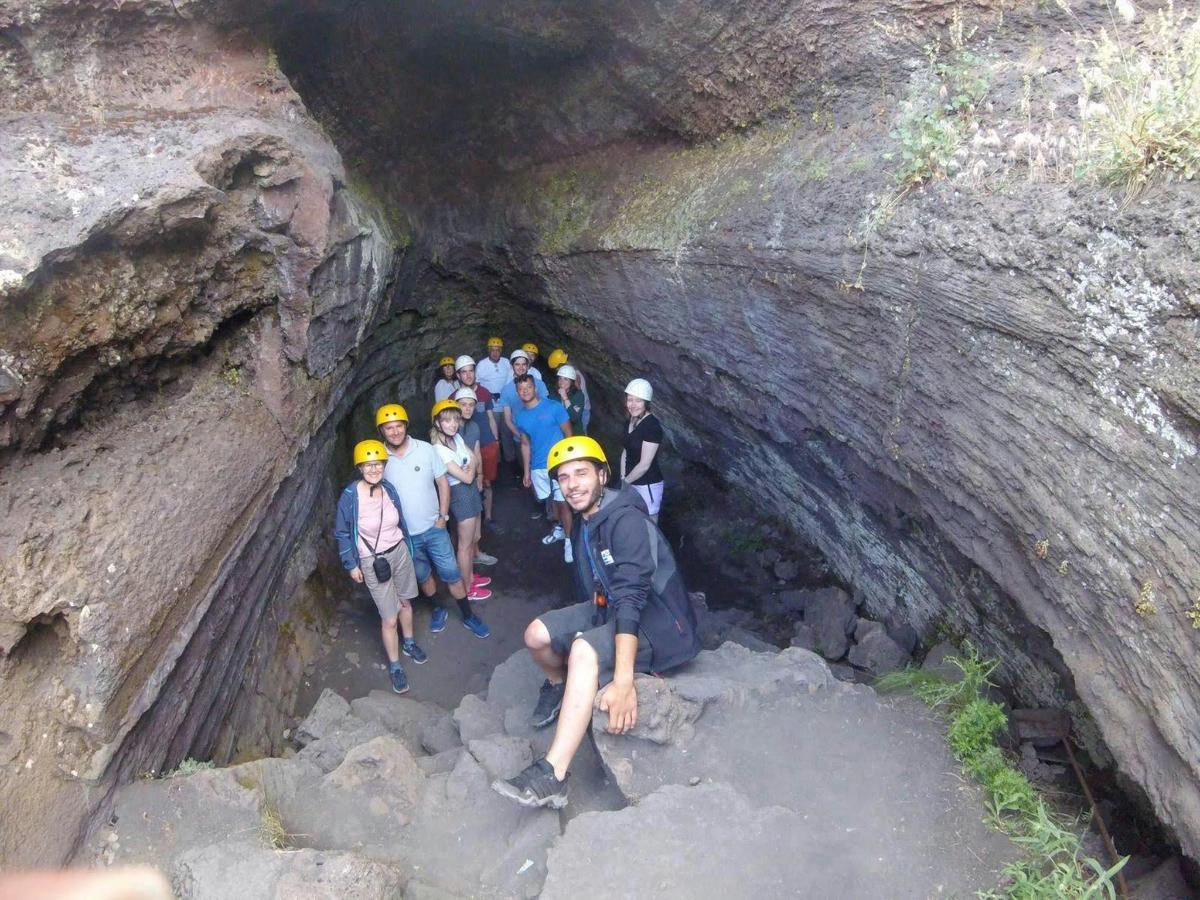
{"x":543,"y":425}
{"x":508,"y":396}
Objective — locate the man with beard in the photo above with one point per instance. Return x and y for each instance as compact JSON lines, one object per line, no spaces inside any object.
{"x":635,"y":616}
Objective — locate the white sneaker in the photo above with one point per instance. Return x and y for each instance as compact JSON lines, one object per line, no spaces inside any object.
{"x":568,"y":553}
{"x":555,"y":536}
{"x":485,"y":559}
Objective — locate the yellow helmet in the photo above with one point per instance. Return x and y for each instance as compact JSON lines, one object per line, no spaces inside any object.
{"x":369,"y":451}
{"x":530,"y":347}
{"x":441,"y":406}
{"x":446,"y":361}
{"x":558,"y":356}
{"x":390,"y":412}
{"x":495,"y":342}
{"x":572,"y":448}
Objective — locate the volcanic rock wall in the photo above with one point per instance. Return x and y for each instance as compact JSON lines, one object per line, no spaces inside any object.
{"x":978,"y":398}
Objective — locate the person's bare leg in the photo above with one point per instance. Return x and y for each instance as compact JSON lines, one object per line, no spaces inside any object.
{"x":478,"y":536}
{"x":537,"y":639}
{"x":562,"y":512}
{"x":487,"y":502}
{"x":391,"y":643}
{"x":466,"y":549}
{"x":583,"y":672}
{"x":406,"y":620}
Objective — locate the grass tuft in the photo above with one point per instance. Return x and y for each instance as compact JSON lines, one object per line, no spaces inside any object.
{"x":1054,"y":866}
{"x":1141,"y":103}
{"x":190,"y":767}
{"x":271,"y":830}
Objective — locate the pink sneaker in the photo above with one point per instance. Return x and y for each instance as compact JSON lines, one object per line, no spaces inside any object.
{"x":478,"y":581}
{"x":479,"y":593}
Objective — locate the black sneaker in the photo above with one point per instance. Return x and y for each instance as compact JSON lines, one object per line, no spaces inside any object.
{"x":399,"y":679}
{"x":550,"y":699}
{"x":413,"y":651}
{"x":535,"y":786}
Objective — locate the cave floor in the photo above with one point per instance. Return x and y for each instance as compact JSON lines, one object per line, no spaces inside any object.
{"x":529,"y":579}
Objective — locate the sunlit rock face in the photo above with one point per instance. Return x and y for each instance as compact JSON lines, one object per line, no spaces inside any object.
{"x":979,"y":398}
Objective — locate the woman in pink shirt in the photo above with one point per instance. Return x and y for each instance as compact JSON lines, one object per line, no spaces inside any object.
{"x":368,"y":535}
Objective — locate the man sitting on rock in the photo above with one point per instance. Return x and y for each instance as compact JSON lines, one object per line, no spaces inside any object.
{"x":636,"y":618}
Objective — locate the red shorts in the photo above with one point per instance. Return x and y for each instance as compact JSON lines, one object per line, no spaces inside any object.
{"x":491,"y":461}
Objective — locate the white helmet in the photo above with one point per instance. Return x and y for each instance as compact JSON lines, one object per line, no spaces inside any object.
{"x":464,"y":393}
{"x":641,"y":389}
{"x":519,"y":354}
{"x":565,"y":371}
{"x":462,"y":362}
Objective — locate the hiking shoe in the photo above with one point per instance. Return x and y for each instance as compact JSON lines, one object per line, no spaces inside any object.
{"x":535,"y":786}
{"x":555,"y":536}
{"x":485,"y":559}
{"x":413,"y":651}
{"x":568,"y":553}
{"x":438,"y":622}
{"x":478,"y":581}
{"x":479,"y":593}
{"x":399,"y":679}
{"x":550,"y":699}
{"x":475,"y":625}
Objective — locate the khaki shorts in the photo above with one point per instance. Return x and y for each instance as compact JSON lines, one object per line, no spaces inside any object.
{"x":398,"y":590}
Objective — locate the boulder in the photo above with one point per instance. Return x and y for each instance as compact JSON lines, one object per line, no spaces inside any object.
{"x":326,"y":714}
{"x":475,"y":718}
{"x":329,"y":751}
{"x":440,"y":735}
{"x":1166,"y":882}
{"x":878,"y":654}
{"x":935,"y":661}
{"x":863,"y":627}
{"x":902,"y":632}
{"x":501,"y":755}
{"x":402,"y":716}
{"x":803,"y":636}
{"x":749,"y":640}
{"x":831,"y":614}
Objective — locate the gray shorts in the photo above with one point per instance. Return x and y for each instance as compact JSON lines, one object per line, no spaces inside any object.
{"x":397,"y":590}
{"x":586,"y":621}
{"x":465,"y":501}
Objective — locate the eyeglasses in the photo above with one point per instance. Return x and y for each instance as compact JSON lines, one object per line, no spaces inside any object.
{"x":373,"y":466}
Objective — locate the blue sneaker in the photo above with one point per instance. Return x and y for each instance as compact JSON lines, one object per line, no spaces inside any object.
{"x":438,"y":622}
{"x":475,"y":625}
{"x":413,"y":651}
{"x":399,"y":679}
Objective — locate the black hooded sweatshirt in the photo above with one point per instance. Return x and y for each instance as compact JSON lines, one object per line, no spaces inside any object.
{"x":638,"y":575}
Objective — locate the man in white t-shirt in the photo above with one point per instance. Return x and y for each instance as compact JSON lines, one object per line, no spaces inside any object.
{"x":419,"y":477}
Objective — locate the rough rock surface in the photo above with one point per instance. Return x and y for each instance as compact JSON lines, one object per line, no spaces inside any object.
{"x":766,"y":815}
{"x":978,"y":398}
{"x":813,"y":776}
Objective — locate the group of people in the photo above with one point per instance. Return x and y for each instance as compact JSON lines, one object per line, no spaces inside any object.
{"x":393,"y":535}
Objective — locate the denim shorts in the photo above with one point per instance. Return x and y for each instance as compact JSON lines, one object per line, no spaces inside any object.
{"x":433,"y":552}
{"x":544,"y":486}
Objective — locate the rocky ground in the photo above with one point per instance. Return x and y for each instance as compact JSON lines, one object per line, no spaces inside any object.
{"x":750,"y":774}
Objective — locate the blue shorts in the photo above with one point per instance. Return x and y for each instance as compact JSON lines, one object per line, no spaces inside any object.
{"x":432,"y":551}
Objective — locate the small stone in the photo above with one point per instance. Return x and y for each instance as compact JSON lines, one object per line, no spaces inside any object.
{"x":694,"y":780}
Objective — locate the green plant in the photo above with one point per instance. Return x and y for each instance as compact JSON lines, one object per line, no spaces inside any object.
{"x":739,"y":543}
{"x":190,"y":767}
{"x":974,"y":729}
{"x":231,"y":375}
{"x":1053,"y":865}
{"x":933,"y":124}
{"x":1193,"y":614}
{"x":1141,"y":103}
